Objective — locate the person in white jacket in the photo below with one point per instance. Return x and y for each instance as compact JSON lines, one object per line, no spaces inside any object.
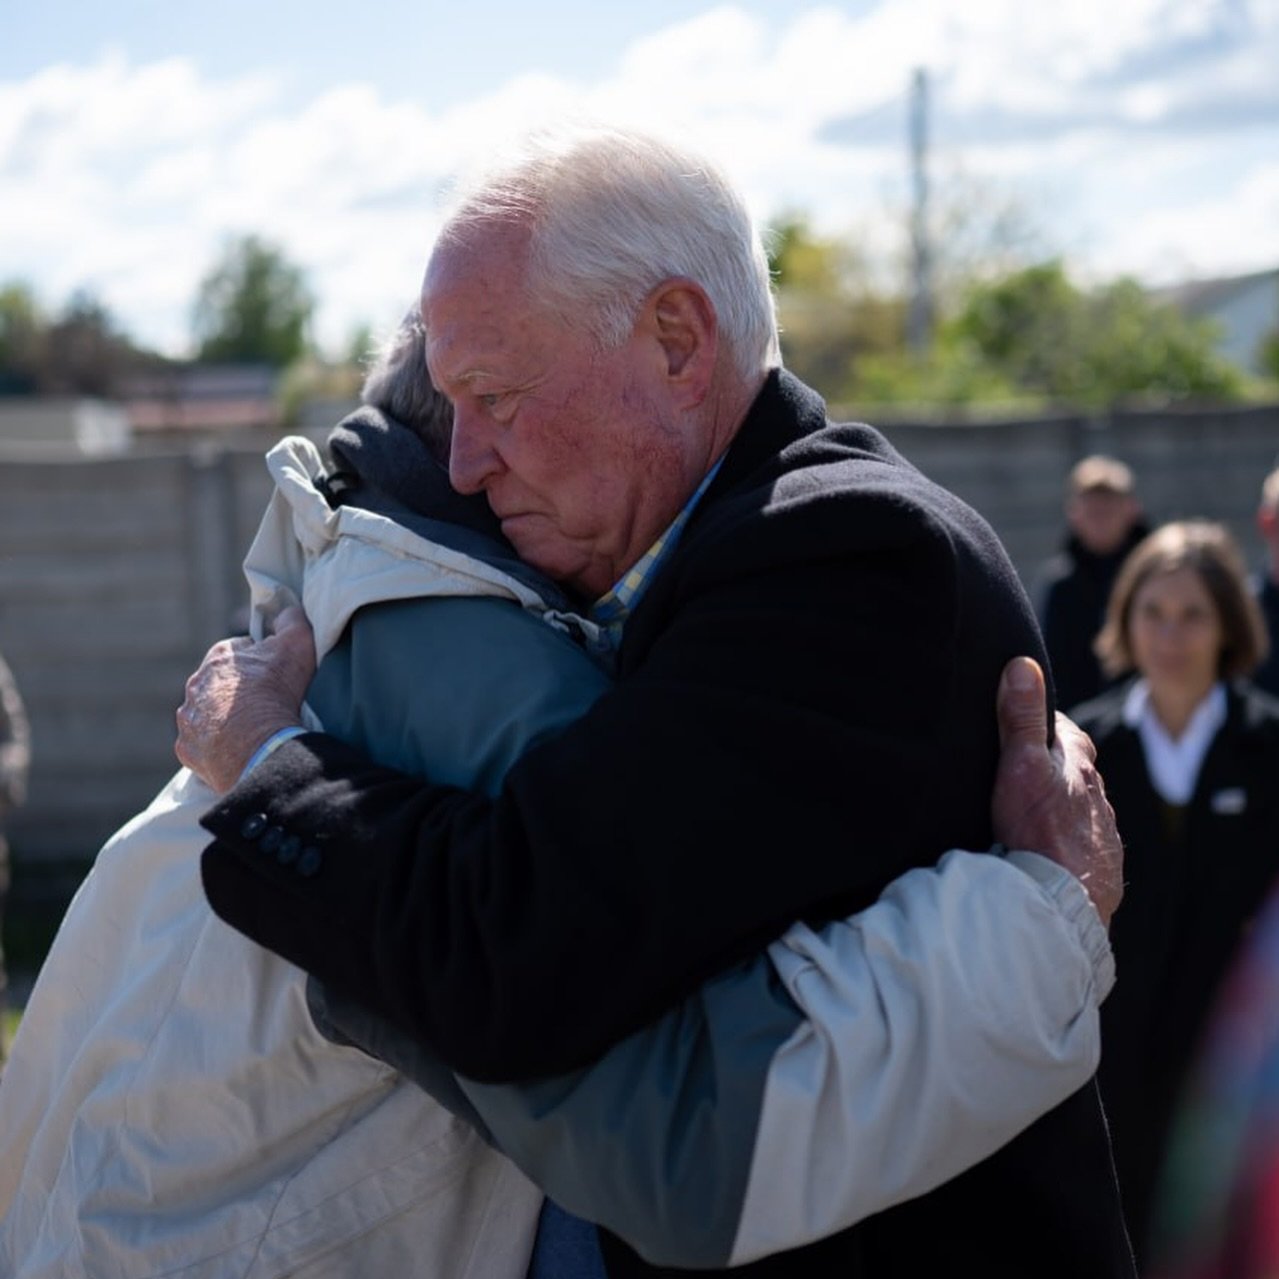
{"x":172,"y":1108}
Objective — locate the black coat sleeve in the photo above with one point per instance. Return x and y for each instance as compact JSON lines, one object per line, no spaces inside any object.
{"x":811,"y":719}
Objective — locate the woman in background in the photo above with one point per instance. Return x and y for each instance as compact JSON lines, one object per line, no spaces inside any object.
{"x":1190,"y":754}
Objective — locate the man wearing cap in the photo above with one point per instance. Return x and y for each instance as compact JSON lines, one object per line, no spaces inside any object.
{"x":1104,"y":521}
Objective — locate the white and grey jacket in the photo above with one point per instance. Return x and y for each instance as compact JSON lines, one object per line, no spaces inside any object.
{"x":169,"y":1107}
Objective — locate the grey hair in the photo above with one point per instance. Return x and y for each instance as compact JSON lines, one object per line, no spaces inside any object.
{"x":399,"y":385}
{"x":612,"y":213}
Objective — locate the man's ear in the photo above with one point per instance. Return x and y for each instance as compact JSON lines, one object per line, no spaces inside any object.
{"x":681,"y":319}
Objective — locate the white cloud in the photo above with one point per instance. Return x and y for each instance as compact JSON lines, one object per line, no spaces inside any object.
{"x":1107,"y":112}
{"x":66,"y":115}
{"x":1218,"y":234}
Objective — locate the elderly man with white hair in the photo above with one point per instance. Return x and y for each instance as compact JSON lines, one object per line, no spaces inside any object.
{"x":807,"y":639}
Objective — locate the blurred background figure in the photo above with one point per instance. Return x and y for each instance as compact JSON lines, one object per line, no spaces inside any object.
{"x":15,"y":758}
{"x":1104,"y":522}
{"x":1267,"y":582}
{"x":1190,"y":753}
{"x":1218,"y":1211}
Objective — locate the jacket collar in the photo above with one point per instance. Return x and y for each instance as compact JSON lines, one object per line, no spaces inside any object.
{"x":1250,"y":713}
{"x":785,"y":410}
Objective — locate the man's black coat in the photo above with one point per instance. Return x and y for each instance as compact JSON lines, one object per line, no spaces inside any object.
{"x":804,"y":710}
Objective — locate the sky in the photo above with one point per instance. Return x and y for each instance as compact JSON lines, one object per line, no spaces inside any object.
{"x":137,"y":136}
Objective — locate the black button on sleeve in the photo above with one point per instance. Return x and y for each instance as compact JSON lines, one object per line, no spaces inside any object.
{"x":253,"y":826}
{"x":290,"y":847}
{"x":272,"y":840}
{"x":309,"y":862}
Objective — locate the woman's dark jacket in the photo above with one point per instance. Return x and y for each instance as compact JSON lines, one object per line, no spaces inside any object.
{"x":1188,"y":898}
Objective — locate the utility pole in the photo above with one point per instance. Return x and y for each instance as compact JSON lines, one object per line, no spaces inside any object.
{"x":919,"y":318}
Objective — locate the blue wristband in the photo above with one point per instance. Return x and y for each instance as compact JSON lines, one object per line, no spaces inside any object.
{"x":272,"y":743}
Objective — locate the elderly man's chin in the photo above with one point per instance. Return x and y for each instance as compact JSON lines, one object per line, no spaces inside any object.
{"x":531,"y":535}
{"x":540,"y":544}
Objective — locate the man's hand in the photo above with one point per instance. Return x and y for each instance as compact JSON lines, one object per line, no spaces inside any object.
{"x":242,"y":693}
{"x":1052,"y":801}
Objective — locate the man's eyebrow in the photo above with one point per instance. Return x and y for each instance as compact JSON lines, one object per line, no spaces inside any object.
{"x":469,"y":376}
{"x":442,"y":377}
{"x":465,"y":378}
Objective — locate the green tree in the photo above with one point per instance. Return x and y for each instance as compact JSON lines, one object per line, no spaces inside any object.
{"x":830,"y":312}
{"x":80,"y":351}
{"x":952,"y":374}
{"x":1138,"y":346}
{"x":85,"y":354}
{"x":253,"y":306}
{"x":1029,"y":325}
{"x":1269,"y":354}
{"x":22,"y":331}
{"x":1046,"y":336}
{"x":843,"y":319}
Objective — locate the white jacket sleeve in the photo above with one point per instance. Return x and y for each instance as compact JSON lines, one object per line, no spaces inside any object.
{"x":916,"y":1061}
{"x":849,"y":1069}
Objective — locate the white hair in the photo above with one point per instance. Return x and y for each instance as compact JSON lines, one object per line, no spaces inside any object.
{"x":612,"y":213}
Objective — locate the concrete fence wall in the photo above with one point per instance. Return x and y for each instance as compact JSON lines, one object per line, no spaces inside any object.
{"x":116,"y":574}
{"x":1187,"y":464}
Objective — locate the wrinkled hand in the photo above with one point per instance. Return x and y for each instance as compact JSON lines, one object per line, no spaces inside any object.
{"x":1052,"y":801}
{"x":242,"y":693}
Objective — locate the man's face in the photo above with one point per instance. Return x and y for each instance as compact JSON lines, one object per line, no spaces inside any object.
{"x":1102,"y":518}
{"x":581,"y":453}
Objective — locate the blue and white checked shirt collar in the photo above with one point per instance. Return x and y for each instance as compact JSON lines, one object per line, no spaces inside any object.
{"x":612,"y":608}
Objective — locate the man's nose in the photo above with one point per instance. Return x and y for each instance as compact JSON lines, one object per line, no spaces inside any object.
{"x":472,"y":457}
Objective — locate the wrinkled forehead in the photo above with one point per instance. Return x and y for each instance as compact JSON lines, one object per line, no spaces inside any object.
{"x":477,"y":309}
{"x":490,"y":257}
